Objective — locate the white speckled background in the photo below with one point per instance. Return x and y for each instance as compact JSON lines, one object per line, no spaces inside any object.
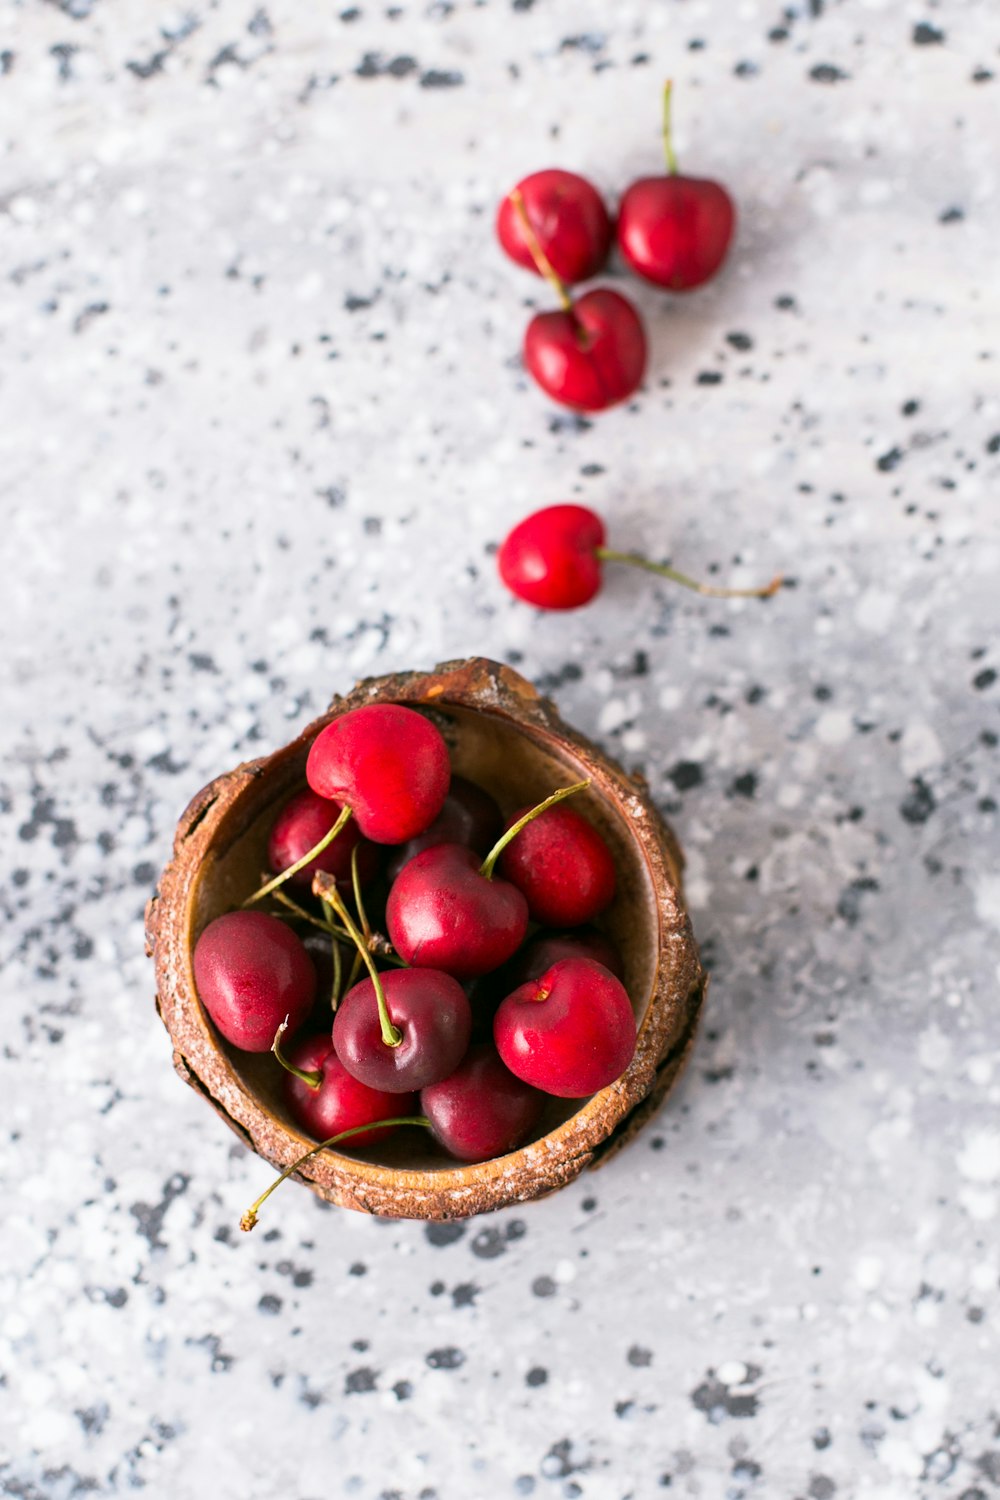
{"x":262,"y":420}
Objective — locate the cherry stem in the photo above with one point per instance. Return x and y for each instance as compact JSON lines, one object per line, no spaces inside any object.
{"x":489,"y":863}
{"x":325,"y":887}
{"x":312,"y":1079}
{"x":668,"y":138}
{"x":633,"y":558}
{"x":338,"y":974}
{"x":306,"y":916}
{"x":249,"y":1219}
{"x":358,"y":901}
{"x":542,"y":262}
{"x":300,"y":864}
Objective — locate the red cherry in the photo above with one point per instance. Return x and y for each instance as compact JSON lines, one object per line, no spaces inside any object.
{"x":431,"y":1011}
{"x":675,"y":230}
{"x":300,"y":825}
{"x":340,"y":1102}
{"x":562,"y":866}
{"x":251,"y":972}
{"x":553,"y":559}
{"x":388,"y":764}
{"x":547,"y":948}
{"x":569,"y":219}
{"x":591,"y":354}
{"x":444,"y":913}
{"x":469,"y":816}
{"x":481,"y":1110}
{"x":570,"y":1032}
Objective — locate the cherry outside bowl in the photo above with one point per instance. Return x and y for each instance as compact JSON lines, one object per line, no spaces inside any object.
{"x":504,"y":736}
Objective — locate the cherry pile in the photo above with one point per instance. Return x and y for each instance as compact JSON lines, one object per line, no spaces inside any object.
{"x":672,"y":230}
{"x":488,"y":988}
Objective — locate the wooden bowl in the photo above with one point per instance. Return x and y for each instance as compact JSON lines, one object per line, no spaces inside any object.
{"x":502,"y":735}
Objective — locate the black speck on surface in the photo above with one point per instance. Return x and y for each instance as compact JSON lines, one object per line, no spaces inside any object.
{"x":744,"y":786}
{"x":150,"y":1217}
{"x":686,"y":774}
{"x":359,"y":1382}
{"x":543,"y":1286}
{"x":444,"y":1234}
{"x":827,"y":73}
{"x":889,"y":461}
{"x":709,"y":377}
{"x":448,"y":1358}
{"x":926,"y":35}
{"x":984,"y":679}
{"x":269,"y":1303}
{"x":439,"y":78}
{"x":740,"y":341}
{"x":490,"y":1243}
{"x":536,"y":1376}
{"x":719,"y":1401}
{"x":639,"y":1357}
{"x":919,"y":803}
{"x":951,"y":215}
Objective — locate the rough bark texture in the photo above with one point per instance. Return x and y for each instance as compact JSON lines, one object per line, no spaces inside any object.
{"x":496,"y":723}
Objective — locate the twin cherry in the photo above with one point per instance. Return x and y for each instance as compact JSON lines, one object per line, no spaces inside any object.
{"x":457,"y":910}
{"x":672,"y":230}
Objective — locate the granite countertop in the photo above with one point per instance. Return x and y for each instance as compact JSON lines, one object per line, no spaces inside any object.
{"x":263,"y":423}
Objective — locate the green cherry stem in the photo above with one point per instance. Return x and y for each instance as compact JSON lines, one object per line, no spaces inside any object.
{"x":668,"y":137}
{"x":300,"y":864}
{"x":338,"y":973}
{"x":306,"y":916}
{"x":325,"y":887}
{"x":312,"y":1079}
{"x":544,"y":265}
{"x":489,"y":863}
{"x":358,"y":901}
{"x":606,"y":554}
{"x":249,"y":1219}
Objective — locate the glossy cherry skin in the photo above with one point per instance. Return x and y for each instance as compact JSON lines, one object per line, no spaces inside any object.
{"x":547,"y":948}
{"x":340,"y":1102}
{"x":570,"y":222}
{"x":562,"y":866}
{"x":570,"y":1032}
{"x":481,"y":1110}
{"x":301,"y":824}
{"x":251,"y":972}
{"x":469,"y":816}
{"x":442,"y":914}
{"x":431,"y":1011}
{"x":388,"y":764}
{"x":550,"y":558}
{"x":674,"y":231}
{"x":591,"y":357}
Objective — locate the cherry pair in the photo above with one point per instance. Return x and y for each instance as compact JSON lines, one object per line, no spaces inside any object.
{"x":672,"y":230}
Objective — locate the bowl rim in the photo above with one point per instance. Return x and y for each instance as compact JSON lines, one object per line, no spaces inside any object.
{"x":666,"y":1029}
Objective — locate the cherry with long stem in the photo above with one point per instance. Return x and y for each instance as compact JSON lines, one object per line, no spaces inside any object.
{"x":325,"y":887}
{"x":249,"y":1219}
{"x":489,"y":863}
{"x":636,"y":560}
{"x":300,"y":864}
{"x":311,"y":1080}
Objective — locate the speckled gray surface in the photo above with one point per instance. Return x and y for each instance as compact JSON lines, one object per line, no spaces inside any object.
{"x":262,"y":421}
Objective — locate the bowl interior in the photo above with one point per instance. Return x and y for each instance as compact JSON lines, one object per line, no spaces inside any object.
{"x":518,"y":766}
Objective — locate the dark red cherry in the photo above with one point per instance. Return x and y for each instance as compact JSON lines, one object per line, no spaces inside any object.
{"x":388,"y":764}
{"x":570,"y":1032}
{"x":562,"y":866}
{"x":299,"y":827}
{"x":590,"y":355}
{"x":553,"y":559}
{"x":444,"y":913}
{"x":569,"y":219}
{"x":340,"y":1102}
{"x":469,"y":816}
{"x":428,"y":1007}
{"x":251,"y":972}
{"x":674,"y":230}
{"x":481,"y":1110}
{"x":547,"y":948}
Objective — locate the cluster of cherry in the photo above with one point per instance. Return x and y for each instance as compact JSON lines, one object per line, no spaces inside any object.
{"x":672,"y":230}
{"x":459,"y":1017}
